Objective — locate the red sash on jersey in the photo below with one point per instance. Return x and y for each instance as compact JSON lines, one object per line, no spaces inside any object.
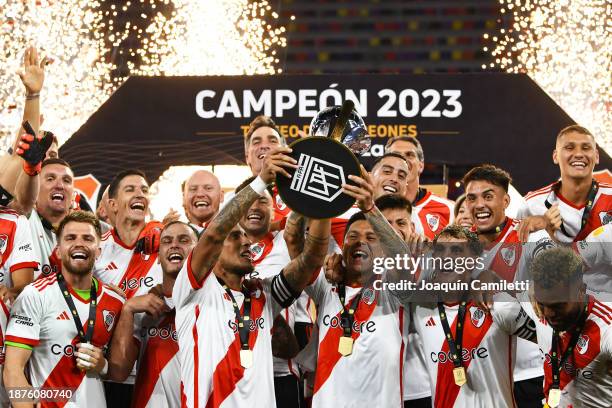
{"x":446,"y":389}
{"x":229,"y":371}
{"x":586,"y":350}
{"x":507,"y":257}
{"x":7,"y":237}
{"x":156,"y":356}
{"x":139,"y":267}
{"x":328,"y":348}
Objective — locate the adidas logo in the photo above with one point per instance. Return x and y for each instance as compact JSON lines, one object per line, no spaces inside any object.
{"x":111,"y":267}
{"x":63,"y":316}
{"x":431,"y":322}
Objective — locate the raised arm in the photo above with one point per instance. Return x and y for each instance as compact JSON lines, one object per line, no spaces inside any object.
{"x":299,"y":271}
{"x":294,"y":234}
{"x":208,"y":248}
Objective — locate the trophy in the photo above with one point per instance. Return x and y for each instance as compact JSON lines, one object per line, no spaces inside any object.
{"x":325,"y":160}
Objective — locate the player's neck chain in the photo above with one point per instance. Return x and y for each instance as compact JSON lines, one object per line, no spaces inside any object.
{"x":497,"y":229}
{"x":454,"y":344}
{"x":347,"y":318}
{"x":243,"y":320}
{"x":84,"y":337}
{"x":554,"y":393}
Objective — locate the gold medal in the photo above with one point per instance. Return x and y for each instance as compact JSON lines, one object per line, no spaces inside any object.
{"x":246,"y":358}
{"x":459,"y":374}
{"x":554,"y":397}
{"x":345,"y":346}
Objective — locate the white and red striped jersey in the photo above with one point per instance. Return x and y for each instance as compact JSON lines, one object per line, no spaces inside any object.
{"x":209,"y":343}
{"x":41,"y":319}
{"x":539,"y":201}
{"x":596,"y":251}
{"x":372,"y":374}
{"x":510,"y":259}
{"x":16,"y":247}
{"x":118,"y":264}
{"x":269,"y":257}
{"x":488,"y":347}
{"x":44,"y":241}
{"x":158,"y":382}
{"x":585,"y":379}
{"x":431,"y":214}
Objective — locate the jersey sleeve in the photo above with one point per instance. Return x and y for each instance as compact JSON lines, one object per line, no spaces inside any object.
{"x":26,"y":315}
{"x":512,"y":318}
{"x":606,"y":344}
{"x":138,"y":334}
{"x":23,"y":255}
{"x":277,"y":288}
{"x":187,"y":285}
{"x":596,"y":249}
{"x":318,"y":287}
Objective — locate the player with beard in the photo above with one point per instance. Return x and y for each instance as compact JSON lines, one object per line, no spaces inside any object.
{"x":487,"y":197}
{"x":202,"y":196}
{"x":146,"y":330}
{"x":430,"y":213}
{"x":224,"y":328}
{"x":577,"y":204}
{"x":129,"y":253}
{"x":574,"y":330}
{"x":46,"y":337}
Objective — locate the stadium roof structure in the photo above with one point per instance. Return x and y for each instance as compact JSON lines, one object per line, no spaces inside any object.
{"x":152,"y":123}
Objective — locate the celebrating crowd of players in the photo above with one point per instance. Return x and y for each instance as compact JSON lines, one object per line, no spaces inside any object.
{"x":247,"y":303}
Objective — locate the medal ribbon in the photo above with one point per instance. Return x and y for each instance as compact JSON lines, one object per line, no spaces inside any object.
{"x":454,"y":345}
{"x":556,"y":365}
{"x":587,"y":209}
{"x":348,"y":315}
{"x":84,"y":337}
{"x":243,"y":320}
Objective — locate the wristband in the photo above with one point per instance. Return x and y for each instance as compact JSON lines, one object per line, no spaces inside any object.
{"x":105,"y":369}
{"x":258,"y":185}
{"x":29,"y":97}
{"x":370,"y":209}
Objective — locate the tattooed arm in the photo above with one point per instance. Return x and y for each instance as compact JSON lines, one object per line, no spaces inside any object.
{"x":208,"y":249}
{"x":294,"y":234}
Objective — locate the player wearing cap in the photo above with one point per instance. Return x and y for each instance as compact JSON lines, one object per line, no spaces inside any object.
{"x":146,"y":330}
{"x":574,"y":330}
{"x":577,"y":204}
{"x":60,"y":324}
{"x":224,"y":329}
{"x":129,"y":252}
{"x":430,"y":213}
{"x":470,"y":353}
{"x":202,"y":196}
{"x":487,"y":198}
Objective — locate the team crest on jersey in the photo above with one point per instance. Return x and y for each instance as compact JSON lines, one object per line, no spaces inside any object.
{"x":433,"y":221}
{"x":368,"y":296}
{"x":583,"y":344}
{"x":257,"y":250}
{"x":508,"y":254}
{"x":109,"y":319}
{"x":605,"y":217}
{"x":3,"y":242}
{"x":280,"y":204}
{"x":477,"y":316}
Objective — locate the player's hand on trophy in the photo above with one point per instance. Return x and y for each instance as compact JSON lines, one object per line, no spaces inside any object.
{"x":277,"y":161}
{"x":363,"y":192}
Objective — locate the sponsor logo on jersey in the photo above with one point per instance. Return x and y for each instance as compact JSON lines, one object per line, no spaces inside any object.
{"x":605,"y":217}
{"x":477,"y":316}
{"x":25,"y":248}
{"x":542,"y":245}
{"x":63,"y":316}
{"x":430,"y":322}
{"x":23,"y":320}
{"x":47,"y":270}
{"x":111,"y":267}
{"x":433,"y":221}
{"x":67,"y":350}
{"x":109,"y":319}
{"x":368,"y":296}
{"x":358,"y":327}
{"x":583,"y":344}
{"x":257,"y":250}
{"x":508,"y":254}
{"x":466,"y":355}
{"x":164,"y":333}
{"x":254,"y":325}
{"x":135,"y":283}
{"x":3,"y":242}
